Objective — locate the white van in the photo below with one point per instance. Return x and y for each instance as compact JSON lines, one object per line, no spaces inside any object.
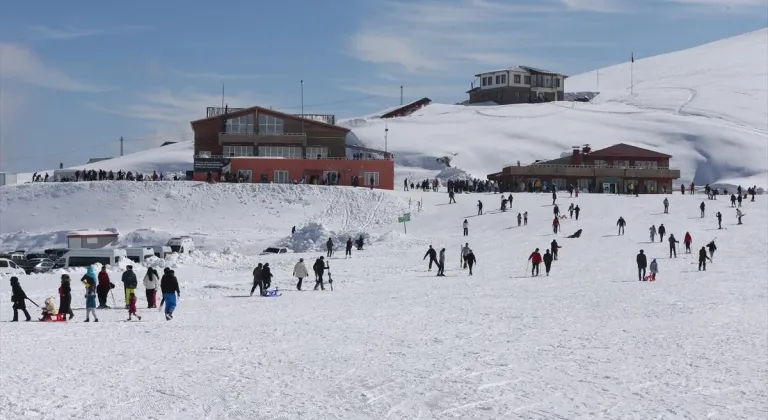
{"x":162,"y":251}
{"x":10,"y":268}
{"x":182,"y":244}
{"x":139,"y":254}
{"x":86,"y":257}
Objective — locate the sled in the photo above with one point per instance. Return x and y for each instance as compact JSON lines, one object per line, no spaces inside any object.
{"x":648,"y":278}
{"x":272,"y":293}
{"x":56,"y":318}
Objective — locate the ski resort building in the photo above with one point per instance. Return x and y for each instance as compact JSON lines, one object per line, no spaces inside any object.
{"x":611,"y":170}
{"x":518,"y":85}
{"x":262,"y":145}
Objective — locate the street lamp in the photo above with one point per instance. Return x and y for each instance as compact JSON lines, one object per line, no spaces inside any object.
{"x":386,"y":131}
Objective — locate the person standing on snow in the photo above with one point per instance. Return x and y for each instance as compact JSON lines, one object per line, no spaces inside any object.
{"x":654,"y":269}
{"x":642,"y":264}
{"x":719,"y":220}
{"x":556,"y":211}
{"x":701,"y":207}
{"x":666,"y":205}
{"x":554,"y":247}
{"x":319,"y":269}
{"x":739,"y":215}
{"x":621,"y":223}
{"x":132,"y":307}
{"x":348,"y":252}
{"x":329,"y":247}
{"x":712,"y":248}
{"x":570,"y":211}
{"x":19,"y":298}
{"x":672,"y":245}
{"x":535,"y":259}
{"x":653,"y":233}
{"x":464,"y":253}
{"x":662,"y":232}
{"x":547,"y":261}
{"x":525,"y":218}
{"x":577,"y":210}
{"x":130,"y":282}
{"x":733,"y":200}
{"x":555,"y":225}
{"x":471,"y":260}
{"x":703,"y":259}
{"x":257,"y":280}
{"x":432,"y":254}
{"x":739,"y":199}
{"x":451,"y":197}
{"x":90,"y":303}
{"x":151,"y":281}
{"x":266,"y":276}
{"x":466,"y":227}
{"x":103,"y":288}
{"x":479,"y":207}
{"x":300,"y":272}
{"x":519,"y":219}
{"x":554,"y":197}
{"x":687,"y":240}
{"x":65,"y":297}
{"x":169,"y":286}
{"x":441,"y":264}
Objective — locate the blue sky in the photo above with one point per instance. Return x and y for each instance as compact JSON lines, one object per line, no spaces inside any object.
{"x":75,"y":76}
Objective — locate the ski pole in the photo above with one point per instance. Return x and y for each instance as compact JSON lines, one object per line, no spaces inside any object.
{"x":526,"y":267}
{"x":114,"y":303}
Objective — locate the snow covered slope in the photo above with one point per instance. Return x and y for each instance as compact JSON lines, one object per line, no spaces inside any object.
{"x":708,"y":107}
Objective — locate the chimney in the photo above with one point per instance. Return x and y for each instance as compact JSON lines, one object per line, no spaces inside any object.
{"x":576,"y":158}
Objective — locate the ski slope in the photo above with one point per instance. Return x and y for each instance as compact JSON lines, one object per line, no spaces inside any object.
{"x":392,"y":340}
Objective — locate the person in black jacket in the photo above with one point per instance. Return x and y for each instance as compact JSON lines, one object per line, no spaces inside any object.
{"x":257,"y":281}
{"x":169,"y":286}
{"x":554,"y":246}
{"x":470,"y":260}
{"x":548,"y":260}
{"x":266,"y":276}
{"x":642,"y":264}
{"x":661,"y":231}
{"x":18,"y":297}
{"x":432,"y":254}
{"x":348,"y":252}
{"x":672,"y":245}
{"x":621,"y":223}
{"x":319,"y":268}
{"x":703,"y":259}
{"x":130,"y":283}
{"x":65,"y":297}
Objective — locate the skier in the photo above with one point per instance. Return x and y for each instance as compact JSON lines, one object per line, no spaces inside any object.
{"x":570,"y":211}
{"x":548,"y":261}
{"x":509,"y":200}
{"x":266,"y":276}
{"x":719,"y":220}
{"x":654,"y":269}
{"x":258,"y":280}
{"x":672,"y":245}
{"x":130,"y":282}
{"x":577,"y":210}
{"x":642,"y":264}
{"x":712,"y":248}
{"x":471,"y":260}
{"x":554,"y":246}
{"x":319,"y":268}
{"x":464,"y":252}
{"x":169,"y":286}
{"x":739,"y":215}
{"x":300,"y":271}
{"x":293,"y":230}
{"x":432,"y":254}
{"x":621,"y":223}
{"x":666,"y":205}
{"x":65,"y":296}
{"x":525,"y":218}
{"x":329,"y":247}
{"x":662,"y":231}
{"x":733,"y":200}
{"x":466,"y":227}
{"x":703,"y":259}
{"x":687,"y":240}
{"x":90,"y":303}
{"x":503,"y":204}
{"x":556,"y":211}
{"x":701,"y":207}
{"x":682,"y":189}
{"x":535,"y":259}
{"x":653,"y":233}
{"x":19,"y":298}
{"x":151,"y":281}
{"x":479,"y":207}
{"x":519,"y":219}
{"x":132,"y":307}
{"x":103,"y":288}
{"x":348,"y":252}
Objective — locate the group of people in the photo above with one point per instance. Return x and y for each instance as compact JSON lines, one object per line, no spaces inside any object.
{"x":467,"y":259}
{"x":262,"y":276}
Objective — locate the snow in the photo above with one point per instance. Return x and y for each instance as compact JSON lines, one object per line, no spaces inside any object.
{"x":706,"y":106}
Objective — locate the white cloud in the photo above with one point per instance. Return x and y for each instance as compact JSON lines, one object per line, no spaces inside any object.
{"x":595,"y":5}
{"x":21,"y":64}
{"x":220,"y":76}
{"x":69,"y":32}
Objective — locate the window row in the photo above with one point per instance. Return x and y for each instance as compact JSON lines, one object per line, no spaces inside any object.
{"x":234,"y":151}
{"x":245,"y":125}
{"x":289,"y":152}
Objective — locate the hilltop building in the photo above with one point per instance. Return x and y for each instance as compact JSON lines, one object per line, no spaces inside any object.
{"x":518,"y":85}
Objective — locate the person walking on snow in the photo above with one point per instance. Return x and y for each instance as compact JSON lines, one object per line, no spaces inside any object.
{"x":719,"y":220}
{"x":642,"y":264}
{"x":621,"y":223}
{"x":464,"y":253}
{"x":662,"y":232}
{"x":300,"y":272}
{"x":701,"y":207}
{"x":90,"y":303}
{"x":266,"y":276}
{"x":733,"y":200}
{"x":739,"y":215}
{"x":556,"y":211}
{"x":432,"y":254}
{"x":554,"y":246}
{"x":554,"y":197}
{"x":103,"y":288}
{"x":19,"y":298}
{"x":672,"y":245}
{"x":577,"y":210}
{"x":65,"y":297}
{"x":169,"y":286}
{"x":151,"y":281}
{"x":319,"y":268}
{"x":471,"y":260}
{"x":653,"y":233}
{"x":739,"y":199}
{"x":712,"y":248}
{"x":479,"y":207}
{"x":525,"y":218}
{"x":654,"y":269}
{"x":441,"y":264}
{"x":519,"y":219}
{"x":535,"y":259}
{"x":570,"y":211}
{"x":258,"y":280}
{"x":348,"y":252}
{"x":547,"y":261}
{"x":451,"y":197}
{"x":555,"y":225}
{"x":132,"y":307}
{"x":329,"y":247}
{"x":466,"y":227}
{"x":666,"y":205}
{"x":703,"y":259}
{"x":687,"y":240}
{"x":130,"y":283}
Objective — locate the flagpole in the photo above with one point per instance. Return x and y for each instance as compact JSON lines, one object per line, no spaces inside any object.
{"x":632,"y":76}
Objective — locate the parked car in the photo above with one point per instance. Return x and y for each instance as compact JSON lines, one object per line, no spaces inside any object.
{"x":274,"y":250}
{"x":38,"y":265}
{"x":182,"y":244}
{"x":56,"y":253}
{"x":37,"y":256}
{"x":85,"y":257}
{"x":8,"y":267}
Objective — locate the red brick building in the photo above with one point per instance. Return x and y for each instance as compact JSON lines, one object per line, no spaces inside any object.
{"x":262,"y":145}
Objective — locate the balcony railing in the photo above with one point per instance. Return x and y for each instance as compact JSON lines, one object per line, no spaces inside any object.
{"x":592,"y":171}
{"x":289,"y":158}
{"x":261,"y":134}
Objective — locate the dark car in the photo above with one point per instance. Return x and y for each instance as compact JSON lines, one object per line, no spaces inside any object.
{"x":273,"y":250}
{"x":56,"y":253}
{"x":37,"y":265}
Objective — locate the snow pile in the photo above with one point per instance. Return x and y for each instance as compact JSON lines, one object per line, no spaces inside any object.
{"x":314,"y":236}
{"x":453,"y":174}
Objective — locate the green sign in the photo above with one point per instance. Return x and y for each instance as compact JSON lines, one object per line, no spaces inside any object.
{"x":404,"y":218}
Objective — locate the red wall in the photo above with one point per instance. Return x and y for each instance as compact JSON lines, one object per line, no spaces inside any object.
{"x":296,"y":167}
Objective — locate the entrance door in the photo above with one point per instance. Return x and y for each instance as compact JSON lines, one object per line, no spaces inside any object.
{"x":606,"y":188}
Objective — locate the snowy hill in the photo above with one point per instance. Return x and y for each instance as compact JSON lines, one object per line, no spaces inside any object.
{"x":707,"y":106}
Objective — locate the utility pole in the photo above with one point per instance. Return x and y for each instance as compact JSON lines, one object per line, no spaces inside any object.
{"x":222,"y":97}
{"x":302,"y":106}
{"x":121,"y":146}
{"x":386,"y":132}
{"x":401,"y":95}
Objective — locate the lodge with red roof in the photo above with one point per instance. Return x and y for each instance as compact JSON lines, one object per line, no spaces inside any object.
{"x":617,"y":169}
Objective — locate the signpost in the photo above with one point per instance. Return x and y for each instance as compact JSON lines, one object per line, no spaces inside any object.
{"x":404,"y":218}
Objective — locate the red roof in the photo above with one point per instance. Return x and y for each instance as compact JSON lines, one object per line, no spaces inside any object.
{"x":626,"y":150}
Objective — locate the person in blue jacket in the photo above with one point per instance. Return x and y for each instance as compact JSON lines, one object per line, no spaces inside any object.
{"x":90,"y":303}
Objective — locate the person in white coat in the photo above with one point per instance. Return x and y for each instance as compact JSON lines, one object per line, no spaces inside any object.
{"x":300,"y":271}
{"x":151,"y":280}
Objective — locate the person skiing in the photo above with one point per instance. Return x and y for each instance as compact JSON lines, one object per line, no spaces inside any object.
{"x":432,"y":254}
{"x":103,"y":288}
{"x":266,"y":276}
{"x":548,"y":261}
{"x":556,"y":211}
{"x":464,"y":253}
{"x":712,"y":248}
{"x":570,"y":211}
{"x":65,"y":296}
{"x":662,"y":231}
{"x":672,"y":245}
{"x":554,"y":246}
{"x":479,"y":207}
{"x":739,"y":215}
{"x":642,"y":264}
{"x":525,"y":218}
{"x":719,"y":220}
{"x":471,"y":260}
{"x":701,"y":207}
{"x":258,"y":280}
{"x":503,"y":204}
{"x":169,"y":287}
{"x":90,"y":303}
{"x":466,"y":227}
{"x":130,"y":282}
{"x":535,"y":259}
{"x":19,"y":298}
{"x":733,"y":200}
{"x":300,"y":272}
{"x":621,"y":223}
{"x":132,"y":307}
{"x":654,"y":269}
{"x":319,"y":268}
{"x":703,"y":259}
{"x":653,"y":233}
{"x":687,"y":240}
{"x":519,"y":219}
{"x":329,"y":247}
{"x":577,"y":210}
{"x":151,"y":281}
{"x":666,"y":205}
{"x":348,"y":252}
{"x":441,"y":264}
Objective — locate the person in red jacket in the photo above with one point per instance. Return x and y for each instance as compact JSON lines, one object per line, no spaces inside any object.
{"x":132,"y":307}
{"x":103,"y":287}
{"x":535,"y":259}
{"x":687,"y":241}
{"x":555,"y":225}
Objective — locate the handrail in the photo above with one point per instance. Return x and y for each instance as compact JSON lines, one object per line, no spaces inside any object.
{"x":537,"y":165}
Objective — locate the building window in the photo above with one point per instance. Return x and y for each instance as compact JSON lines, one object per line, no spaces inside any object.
{"x":599,"y":162}
{"x":237,"y":150}
{"x":317,"y":152}
{"x":240,"y":125}
{"x":288,"y":152}
{"x":504,"y":78}
{"x":557,"y":82}
{"x":648,"y":164}
{"x":498,"y":79}
{"x":281,"y":177}
{"x":270,"y":125}
{"x":517,"y":79}
{"x":527,"y":80}
{"x":621,"y":163}
{"x":484,"y":81}
{"x":371,"y":179}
